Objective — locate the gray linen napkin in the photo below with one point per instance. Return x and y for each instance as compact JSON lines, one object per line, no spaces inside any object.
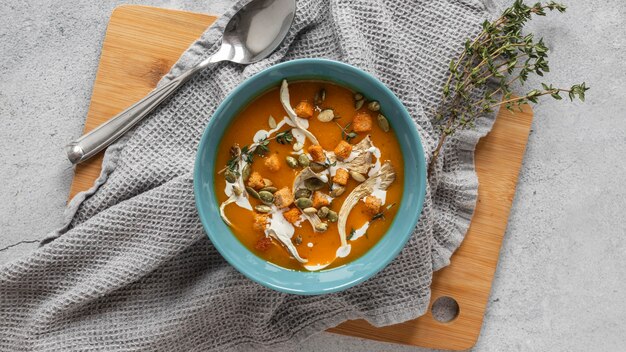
{"x":133,"y":268}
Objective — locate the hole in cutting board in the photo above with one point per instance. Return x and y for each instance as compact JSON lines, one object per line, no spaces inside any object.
{"x":445,"y":309}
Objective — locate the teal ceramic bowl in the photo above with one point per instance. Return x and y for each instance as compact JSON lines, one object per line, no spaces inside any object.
{"x":331,"y":280}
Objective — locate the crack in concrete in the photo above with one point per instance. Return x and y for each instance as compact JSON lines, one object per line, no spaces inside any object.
{"x":18,"y":243}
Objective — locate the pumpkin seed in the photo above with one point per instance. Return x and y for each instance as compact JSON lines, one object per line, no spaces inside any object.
{"x":358,"y":96}
{"x":323,"y":212}
{"x":357,"y":176}
{"x":266,"y":197}
{"x":373,"y":105}
{"x":317,"y":167}
{"x":298,"y":146}
{"x":291,"y":162}
{"x":313,"y":184}
{"x":230,"y":176}
{"x":245,"y":173}
{"x":252,"y":192}
{"x":332,"y":216}
{"x":337,"y":191}
{"x":272,"y":122}
{"x":263,"y":208}
{"x":321,"y":227}
{"x":304,"y":203}
{"x":359,"y":104}
{"x":237,"y":191}
{"x":303,"y":160}
{"x":326,"y":115}
{"x":320,"y":96}
{"x":267,"y":182}
{"x":309,"y":210}
{"x":303,"y":193}
{"x":383,"y":123}
{"x":270,"y":189}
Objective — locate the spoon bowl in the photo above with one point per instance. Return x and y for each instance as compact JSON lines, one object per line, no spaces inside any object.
{"x":256,"y":31}
{"x":252,"y":34}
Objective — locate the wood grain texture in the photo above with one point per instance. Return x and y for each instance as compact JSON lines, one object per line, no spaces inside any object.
{"x":140,"y":46}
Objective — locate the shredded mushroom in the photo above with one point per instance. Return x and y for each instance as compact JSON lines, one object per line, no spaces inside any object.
{"x":231,"y":199}
{"x":363,"y":161}
{"x":382,"y":181}
{"x":284,"y":99}
{"x":286,"y":242}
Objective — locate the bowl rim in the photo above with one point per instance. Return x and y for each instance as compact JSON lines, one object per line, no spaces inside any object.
{"x":339,"y":278}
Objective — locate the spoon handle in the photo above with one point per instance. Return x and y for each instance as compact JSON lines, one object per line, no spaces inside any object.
{"x":91,"y":143}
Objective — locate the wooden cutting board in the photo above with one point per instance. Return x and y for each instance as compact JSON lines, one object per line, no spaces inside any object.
{"x":141,"y":45}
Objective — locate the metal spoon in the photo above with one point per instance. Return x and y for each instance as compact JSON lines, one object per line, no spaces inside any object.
{"x":253,"y":33}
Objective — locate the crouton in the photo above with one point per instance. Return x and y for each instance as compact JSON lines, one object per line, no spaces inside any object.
{"x":343,"y":150}
{"x":260,"y":220}
{"x":283,"y":197}
{"x":263,"y":244}
{"x":341,"y":177}
{"x":362,"y":122}
{"x":292,"y":215}
{"x":304,"y":109}
{"x":256,"y":181}
{"x":320,"y":200}
{"x":272,"y":163}
{"x":372,"y":205}
{"x":317,"y":153}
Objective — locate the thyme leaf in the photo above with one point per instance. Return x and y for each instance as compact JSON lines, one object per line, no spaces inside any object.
{"x":247,"y":155}
{"x":262,"y":147}
{"x":352,"y":233}
{"x":381,"y":214}
{"x":346,"y":134}
{"x":285,"y":137}
{"x":233,"y":165}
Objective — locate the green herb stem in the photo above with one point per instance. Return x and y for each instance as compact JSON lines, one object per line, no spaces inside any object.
{"x":498,"y":50}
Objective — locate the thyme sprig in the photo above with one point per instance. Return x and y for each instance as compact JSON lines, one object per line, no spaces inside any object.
{"x":233,"y":162}
{"x":485,"y":68}
{"x":260,"y":148}
{"x":232,"y":165}
{"x":346,"y":134}
{"x":285,"y":137}
{"x":381,"y":214}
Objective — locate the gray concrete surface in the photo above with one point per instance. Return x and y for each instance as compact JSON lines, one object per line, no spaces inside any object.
{"x":561,"y":279}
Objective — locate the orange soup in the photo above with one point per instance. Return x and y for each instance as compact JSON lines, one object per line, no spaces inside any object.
{"x":309,"y":175}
